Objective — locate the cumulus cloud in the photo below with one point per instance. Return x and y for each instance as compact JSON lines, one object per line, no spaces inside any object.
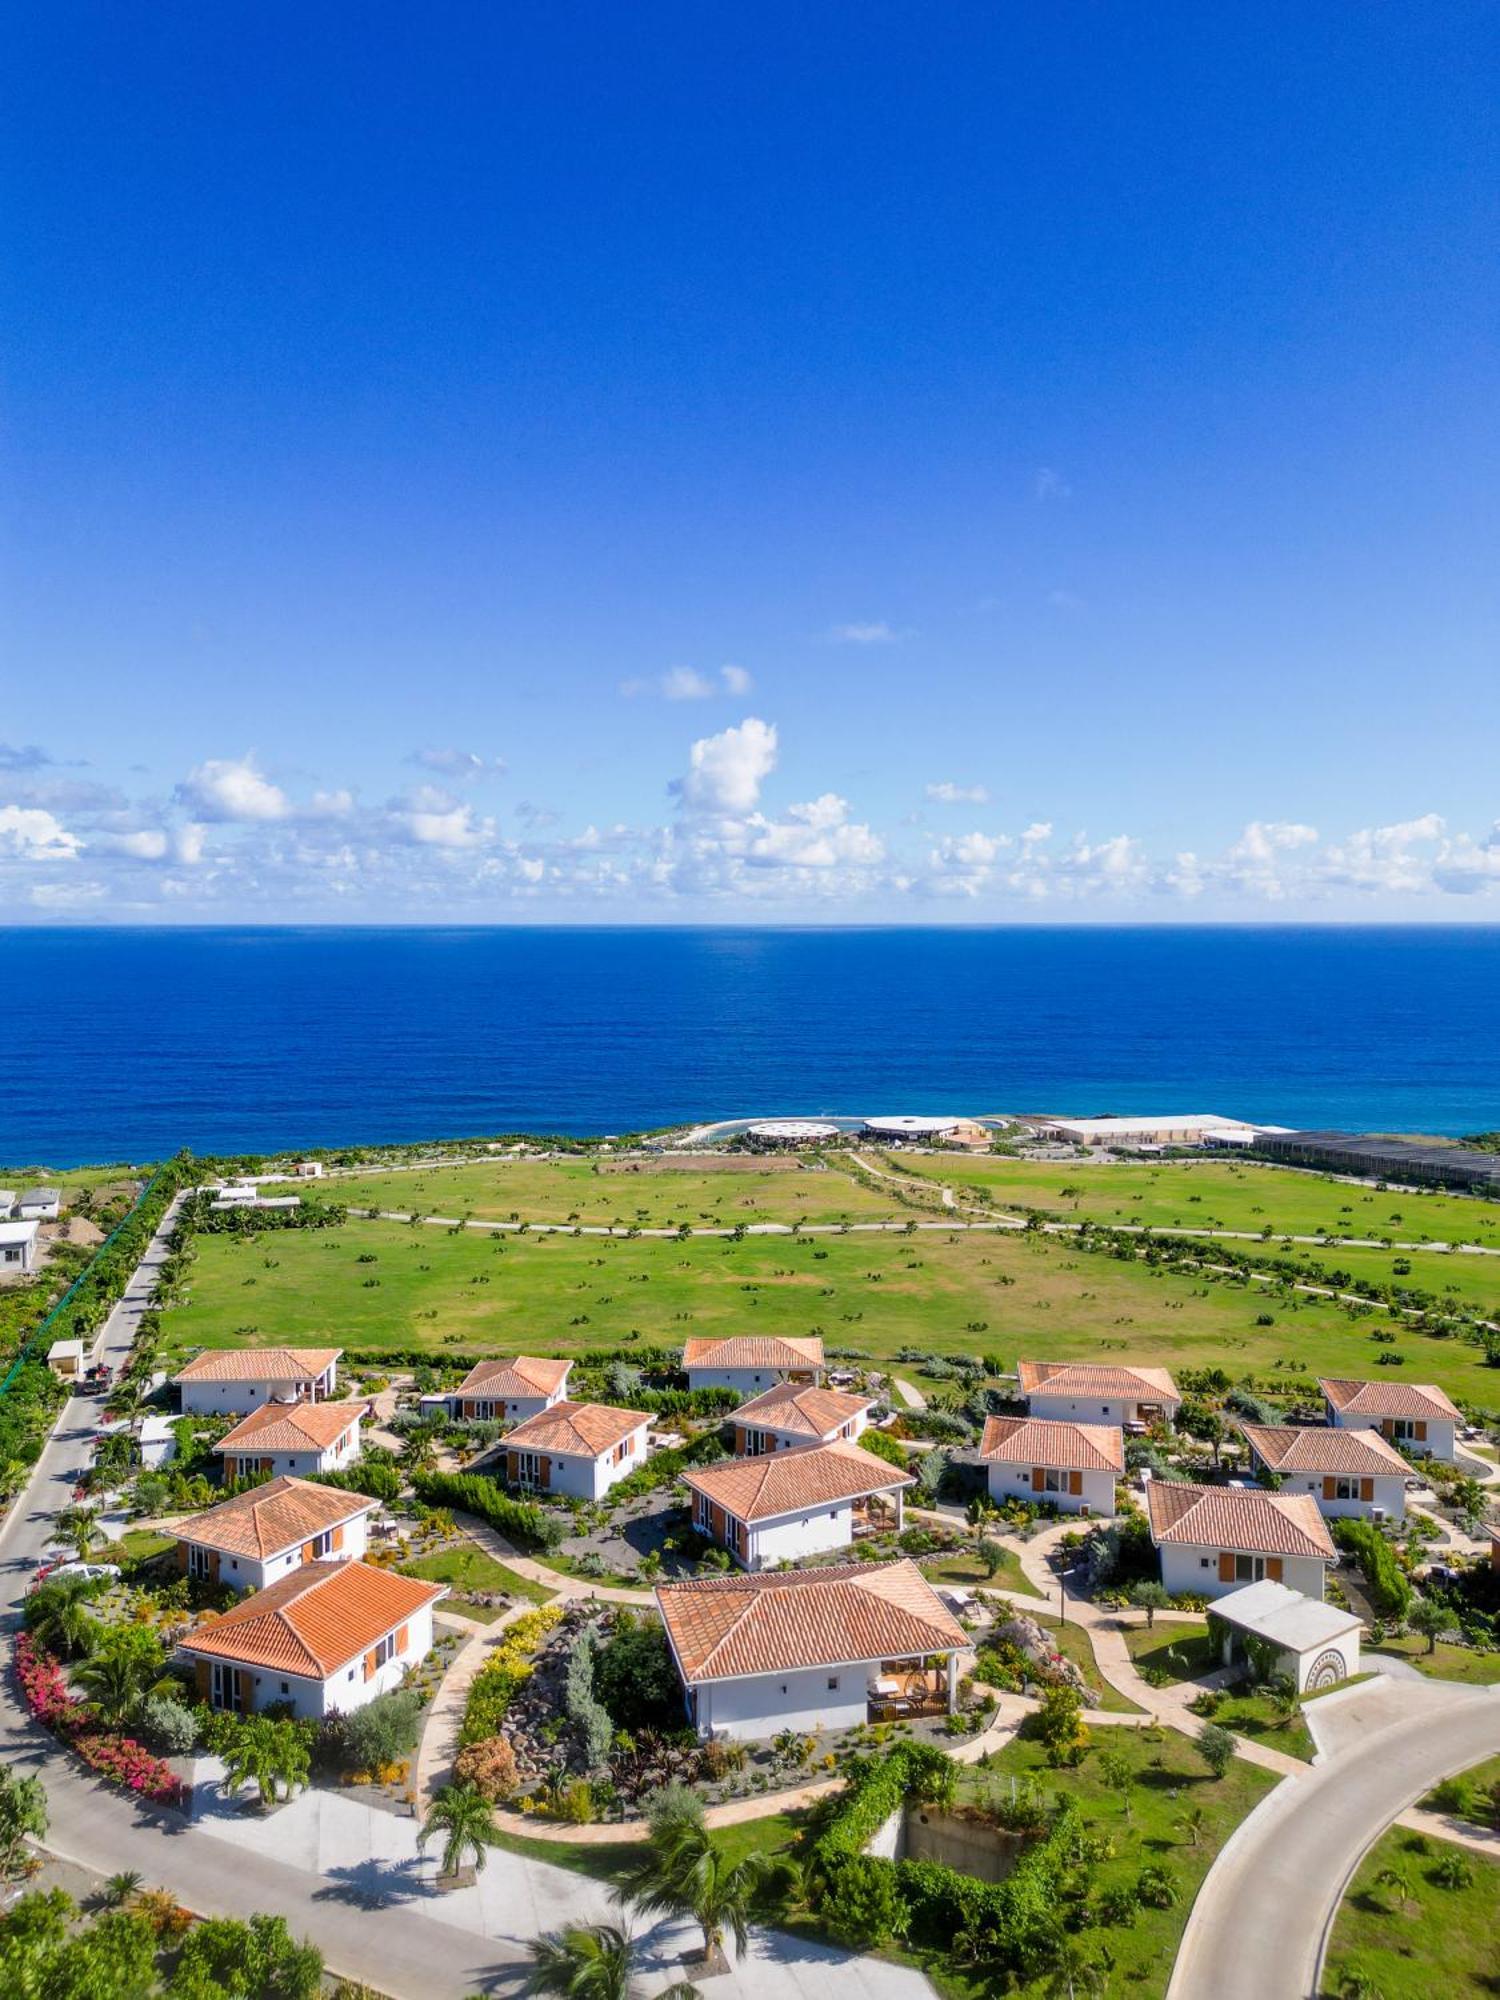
{"x":234,"y":791}
{"x":430,"y":818}
{"x":460,"y":765}
{"x":27,"y":833}
{"x":815,"y":835}
{"x":726,"y":772}
{"x":687,"y":684}
{"x":946,"y":793}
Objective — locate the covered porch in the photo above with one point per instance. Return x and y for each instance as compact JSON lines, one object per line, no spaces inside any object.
{"x":904,"y":1688}
{"x":877,"y":1514}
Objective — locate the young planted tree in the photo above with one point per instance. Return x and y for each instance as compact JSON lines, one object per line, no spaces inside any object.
{"x":1216,"y":1746}
{"x":268,"y":1753}
{"x":58,"y":1618}
{"x":1430,"y":1619}
{"x":1150,"y":1596}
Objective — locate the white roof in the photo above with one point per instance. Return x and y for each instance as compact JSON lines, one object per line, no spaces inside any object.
{"x":17,"y":1232}
{"x":1183,"y":1121}
{"x":911,"y":1126}
{"x":155,"y":1427}
{"x":793,"y":1128}
{"x":1285,"y":1617}
{"x":61,"y":1350}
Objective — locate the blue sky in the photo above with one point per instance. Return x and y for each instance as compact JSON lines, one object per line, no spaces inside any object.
{"x":664,"y":462}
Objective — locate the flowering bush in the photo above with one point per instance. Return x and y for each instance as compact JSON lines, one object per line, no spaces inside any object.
{"x":496,"y":1683}
{"x":119,"y":1758}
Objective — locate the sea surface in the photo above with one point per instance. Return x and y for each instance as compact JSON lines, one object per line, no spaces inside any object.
{"x":126,"y":1044}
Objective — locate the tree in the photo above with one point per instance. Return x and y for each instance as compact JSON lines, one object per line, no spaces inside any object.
{"x":1060,"y":1726}
{"x":1073,"y":1973}
{"x":23,"y":1816}
{"x":115,"y":1679}
{"x":1398,"y":1881}
{"x":80,"y":1527}
{"x":991,"y":1554}
{"x":1430,"y":1619}
{"x":1150,"y":1596}
{"x":932,"y":1470}
{"x":119,"y":1889}
{"x":590,"y":1962}
{"x":1192,"y":1825}
{"x":259,"y":1960}
{"x":683,"y":1874}
{"x":57,"y":1616}
{"x":465,"y":1820}
{"x":267,"y":1753}
{"x":1118,"y":1773}
{"x":1216,"y":1746}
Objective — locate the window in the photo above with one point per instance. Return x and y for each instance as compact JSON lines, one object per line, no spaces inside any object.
{"x":198,"y":1561}
{"x":1346,"y":1489}
{"x":528,"y":1467}
{"x":1404,"y":1430}
{"x":286,"y":1687}
{"x":704,"y":1516}
{"x":1249,"y":1569}
{"x":386,"y":1650}
{"x":322,"y":1545}
{"x":734,"y":1533}
{"x":1054,"y":1481}
{"x":833,"y":1681}
{"x":755,"y":1444}
{"x":224,"y":1688}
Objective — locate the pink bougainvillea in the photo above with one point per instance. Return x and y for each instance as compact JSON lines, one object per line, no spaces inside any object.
{"x":119,"y":1758}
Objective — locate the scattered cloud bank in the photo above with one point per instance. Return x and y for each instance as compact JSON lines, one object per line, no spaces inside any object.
{"x":687,"y":684}
{"x":234,"y":839}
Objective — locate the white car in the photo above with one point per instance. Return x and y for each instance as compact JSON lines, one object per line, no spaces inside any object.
{"x":90,"y":1572}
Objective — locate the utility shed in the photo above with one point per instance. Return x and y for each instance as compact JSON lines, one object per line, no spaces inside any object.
{"x":1313,"y":1644}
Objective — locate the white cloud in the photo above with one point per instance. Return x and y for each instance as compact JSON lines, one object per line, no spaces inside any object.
{"x":430,"y":818}
{"x":1049,"y":484}
{"x":146,"y":844}
{"x":946,"y":793}
{"x":815,"y":835}
{"x":726,"y":772}
{"x":874,"y":633}
{"x":234,"y":791}
{"x":27,"y":833}
{"x":736,"y":680}
{"x":1385,"y":858}
{"x":460,"y":764}
{"x":687,"y":684}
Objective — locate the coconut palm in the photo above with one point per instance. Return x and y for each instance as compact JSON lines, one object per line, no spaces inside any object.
{"x":57,"y":1616}
{"x":590,"y":1962}
{"x":1073,"y":1975}
{"x":268,"y":1754}
{"x":80,"y":1527}
{"x":683,"y":1874}
{"x":464,"y":1818}
{"x":1192,"y":1825}
{"x":116,"y":1681}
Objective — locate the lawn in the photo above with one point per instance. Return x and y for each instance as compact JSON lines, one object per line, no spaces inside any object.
{"x":1184,"y":1651}
{"x":608,"y":1860}
{"x":1447,"y":1663}
{"x":654,"y":1193}
{"x":374,"y":1285}
{"x":467,"y":1569}
{"x":1171,"y":1782}
{"x":1420,"y":1940}
{"x":1481,"y":1801}
{"x":1073,"y":1642}
{"x":969,"y":1571}
{"x":1217,"y":1194}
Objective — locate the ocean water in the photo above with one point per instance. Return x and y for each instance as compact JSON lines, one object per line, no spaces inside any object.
{"x":125,"y":1044}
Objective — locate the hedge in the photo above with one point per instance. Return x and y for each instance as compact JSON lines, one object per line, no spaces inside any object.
{"x":1390,"y":1591}
{"x":473,"y":1493}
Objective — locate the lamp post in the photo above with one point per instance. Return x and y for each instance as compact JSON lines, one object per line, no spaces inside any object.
{"x":1062,"y":1595}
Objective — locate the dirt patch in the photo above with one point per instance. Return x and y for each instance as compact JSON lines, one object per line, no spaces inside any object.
{"x":78,"y":1229}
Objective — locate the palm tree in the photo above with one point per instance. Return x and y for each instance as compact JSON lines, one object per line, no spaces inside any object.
{"x":120,"y":1889}
{"x":80,"y":1526}
{"x":1073,"y":1974}
{"x":267,"y":1754}
{"x":590,"y":1962}
{"x":466,"y":1820}
{"x":1192,"y":1825}
{"x":116,"y":1681}
{"x":1430,"y":1619}
{"x":1396,"y":1879}
{"x":57,"y":1616}
{"x":684,"y":1874}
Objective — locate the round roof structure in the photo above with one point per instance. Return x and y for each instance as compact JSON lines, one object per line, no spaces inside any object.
{"x":910,"y":1127}
{"x":793,"y":1131}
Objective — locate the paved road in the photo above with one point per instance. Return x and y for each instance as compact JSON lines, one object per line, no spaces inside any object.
{"x":1259,"y":1928}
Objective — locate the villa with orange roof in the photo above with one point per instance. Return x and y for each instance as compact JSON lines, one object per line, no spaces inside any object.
{"x":788,"y":1416}
{"x":1072,"y":1467}
{"x":1348,"y":1473}
{"x":1415,"y":1414}
{"x":230,"y":1381}
{"x":811,"y":1649}
{"x":324,"y":1640}
{"x":262,"y":1535}
{"x":509,"y":1390}
{"x":751,"y":1362}
{"x":1088,"y":1392}
{"x":1213,"y":1539}
{"x":786,"y":1505}
{"x":292,"y":1439}
{"x":577,"y":1449}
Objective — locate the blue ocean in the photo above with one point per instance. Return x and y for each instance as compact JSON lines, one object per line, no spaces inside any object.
{"x":125,"y":1044}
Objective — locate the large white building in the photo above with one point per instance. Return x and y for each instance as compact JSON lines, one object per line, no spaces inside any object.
{"x":577,"y":1449}
{"x":324,"y":1640}
{"x":786,"y":1505}
{"x":1417,"y":1414}
{"x":509,"y":1390}
{"x":811,"y":1649}
{"x":1173,"y":1128}
{"x":1072,"y":1467}
{"x":1348,"y":1472}
{"x":1212,"y":1539}
{"x":232,"y":1381}
{"x":1085,"y":1392}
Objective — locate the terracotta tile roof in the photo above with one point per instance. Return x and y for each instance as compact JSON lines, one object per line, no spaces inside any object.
{"x":258,"y":1364}
{"x":1053,"y":1442}
{"x":272,"y":1517}
{"x":1302,"y":1448}
{"x":1084,"y":1378}
{"x":292,"y":1426}
{"x":722,"y":1627}
{"x":577,"y":1430}
{"x":754,"y":1350}
{"x":522,"y":1375}
{"x":1389,"y":1399}
{"x":785,"y":1482}
{"x":1227,"y":1517}
{"x":807,"y":1412}
{"x":315,"y":1621}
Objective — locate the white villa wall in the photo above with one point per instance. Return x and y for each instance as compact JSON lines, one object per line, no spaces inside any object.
{"x":348,"y":1689}
{"x":253,"y":1573}
{"x":301,"y":1464}
{"x":795,"y":1440}
{"x":746,"y":1382}
{"x":1088,"y":1409}
{"x":479,"y":1408}
{"x":1185,"y":1566}
{"x":1440,"y":1441}
{"x":1013,"y":1482}
{"x":797,"y":1535}
{"x":238,"y":1399}
{"x":809,"y":1699}
{"x":1300,"y":1667}
{"x":1390,"y":1493}
{"x":582,"y":1478}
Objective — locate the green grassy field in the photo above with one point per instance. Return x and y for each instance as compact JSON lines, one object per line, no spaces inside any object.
{"x":468,"y":1569}
{"x":394,"y":1285}
{"x":1419,"y":1940}
{"x":1185,"y":1652}
{"x":1444,"y":1662}
{"x":1217,"y":1194}
{"x":656,"y":1194}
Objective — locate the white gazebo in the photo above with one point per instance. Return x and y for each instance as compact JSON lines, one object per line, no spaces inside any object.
{"x":1312,"y":1644}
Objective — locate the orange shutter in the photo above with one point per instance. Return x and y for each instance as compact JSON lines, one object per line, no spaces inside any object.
{"x":1387,"y":1427}
{"x":338,"y":1537}
{"x":1421,"y":1432}
{"x":242,"y":1679}
{"x":1038,"y":1479}
{"x":1075,"y":1482}
{"x":1329,"y":1485}
{"x":203,"y":1676}
{"x":739,"y":1440}
{"x":1367,"y":1489}
{"x":546,"y":1472}
{"x":1273,"y":1568}
{"x":1226,"y":1566}
{"x":182,"y":1555}
{"x":513,"y":1467}
{"x":215,"y":1561}
{"x":402,"y":1635}
{"x":309,"y":1550}
{"x":370,"y":1665}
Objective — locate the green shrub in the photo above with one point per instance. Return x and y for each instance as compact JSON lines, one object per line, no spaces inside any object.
{"x":634,"y":1676}
{"x":473,"y":1493}
{"x":168,"y":1725}
{"x":864,"y":1909}
{"x":1390,"y":1590}
{"x":382,"y":1732}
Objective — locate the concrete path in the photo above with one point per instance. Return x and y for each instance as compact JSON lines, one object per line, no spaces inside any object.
{"x":1260,"y":1926}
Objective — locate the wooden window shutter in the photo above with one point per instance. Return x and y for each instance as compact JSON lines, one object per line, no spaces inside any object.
{"x":1075,"y":1482}
{"x":739,"y":1441}
{"x":1387,"y":1427}
{"x":1273,"y":1568}
{"x":546,"y":1469}
{"x":182,"y":1555}
{"x":1367,"y":1489}
{"x":1038,"y":1479}
{"x":513,"y":1466}
{"x":1226,"y":1566}
{"x":203,"y":1676}
{"x":338,"y":1537}
{"x":370,"y":1665}
{"x":1420,"y":1430}
{"x":309,"y":1551}
{"x":1330,"y":1486}
{"x":402,"y":1635}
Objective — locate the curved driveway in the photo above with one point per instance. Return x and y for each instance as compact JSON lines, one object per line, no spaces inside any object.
{"x":1261,"y":1922}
